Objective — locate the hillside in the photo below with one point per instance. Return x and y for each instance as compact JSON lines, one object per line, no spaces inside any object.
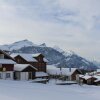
{"x":54,"y":55}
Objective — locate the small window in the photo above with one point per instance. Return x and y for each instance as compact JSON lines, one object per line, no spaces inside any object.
{"x":0,"y":65}
{"x":39,"y":58}
{"x":18,"y":60}
{"x":7,"y":75}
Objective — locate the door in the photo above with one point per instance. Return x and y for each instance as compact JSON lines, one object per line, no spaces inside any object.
{"x":17,"y":75}
{"x":30,"y":75}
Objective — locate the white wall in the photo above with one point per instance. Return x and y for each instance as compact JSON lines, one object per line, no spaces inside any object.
{"x":3,"y":75}
{"x":24,"y":76}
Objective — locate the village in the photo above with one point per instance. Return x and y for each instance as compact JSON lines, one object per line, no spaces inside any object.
{"x":21,"y":66}
{"x":49,"y":50}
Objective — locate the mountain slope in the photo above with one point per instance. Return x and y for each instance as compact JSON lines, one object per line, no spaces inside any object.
{"x":17,"y":45}
{"x":54,"y":55}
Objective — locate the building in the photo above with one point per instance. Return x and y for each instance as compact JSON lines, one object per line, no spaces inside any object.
{"x":92,"y":78}
{"x":9,"y":69}
{"x":36,"y":60}
{"x":42,"y":75}
{"x":24,"y":72}
{"x":6,"y":66}
{"x":88,"y":79}
{"x":69,"y":73}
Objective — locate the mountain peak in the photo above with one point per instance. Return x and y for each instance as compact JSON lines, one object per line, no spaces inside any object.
{"x":17,"y":45}
{"x":20,"y":44}
{"x":42,"y":45}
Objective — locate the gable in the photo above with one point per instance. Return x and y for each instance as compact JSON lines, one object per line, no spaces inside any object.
{"x":24,"y":67}
{"x":6,"y":56}
{"x":37,"y":55}
{"x":29,"y":69}
{"x":77,"y":72}
{"x":40,"y":58}
{"x":26,"y":57}
{"x":20,"y":59}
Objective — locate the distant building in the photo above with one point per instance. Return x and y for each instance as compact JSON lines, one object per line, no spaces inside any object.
{"x":92,"y":78}
{"x":69,"y":73}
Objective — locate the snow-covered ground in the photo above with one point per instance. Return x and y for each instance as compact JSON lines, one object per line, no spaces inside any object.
{"x":18,"y":90}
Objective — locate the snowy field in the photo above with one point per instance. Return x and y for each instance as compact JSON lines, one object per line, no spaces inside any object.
{"x":18,"y":90}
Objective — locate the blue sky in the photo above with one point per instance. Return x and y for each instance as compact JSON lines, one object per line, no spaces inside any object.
{"x":71,"y":24}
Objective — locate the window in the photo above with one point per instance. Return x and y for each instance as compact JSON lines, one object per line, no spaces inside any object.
{"x":1,"y":56}
{"x":4,"y":69}
{"x":18,"y":60}
{"x":0,"y":65}
{"x":40,"y":59}
{"x":7,"y":75}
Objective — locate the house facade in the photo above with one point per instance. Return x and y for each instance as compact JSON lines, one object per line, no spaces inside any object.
{"x":36,"y":60}
{"x":91,"y":78}
{"x":10,"y":70}
{"x":6,"y":66}
{"x":24,"y":72}
{"x":69,"y":74}
{"x":87,"y":79}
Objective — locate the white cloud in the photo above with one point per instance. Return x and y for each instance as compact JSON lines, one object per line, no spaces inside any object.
{"x":71,"y":24}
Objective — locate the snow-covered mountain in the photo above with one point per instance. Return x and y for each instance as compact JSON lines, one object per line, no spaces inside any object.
{"x":55,"y":55}
{"x":66,"y":54}
{"x":58,"y":49}
{"x":17,"y":45}
{"x":20,"y":44}
{"x":42,"y":45}
{"x":97,"y":63}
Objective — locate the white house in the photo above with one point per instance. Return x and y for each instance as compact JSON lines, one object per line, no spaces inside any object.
{"x":6,"y":66}
{"x":24,"y":72}
{"x":70,"y":73}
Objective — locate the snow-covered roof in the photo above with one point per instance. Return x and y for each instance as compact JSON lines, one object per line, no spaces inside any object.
{"x":45,"y":60}
{"x":7,"y":61}
{"x":87,"y":77}
{"x":21,"y":67}
{"x":98,"y":70}
{"x":53,"y":70}
{"x":81,"y":76}
{"x":41,"y":74}
{"x":27,"y":57}
{"x":97,"y":78}
{"x":36,"y":54}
